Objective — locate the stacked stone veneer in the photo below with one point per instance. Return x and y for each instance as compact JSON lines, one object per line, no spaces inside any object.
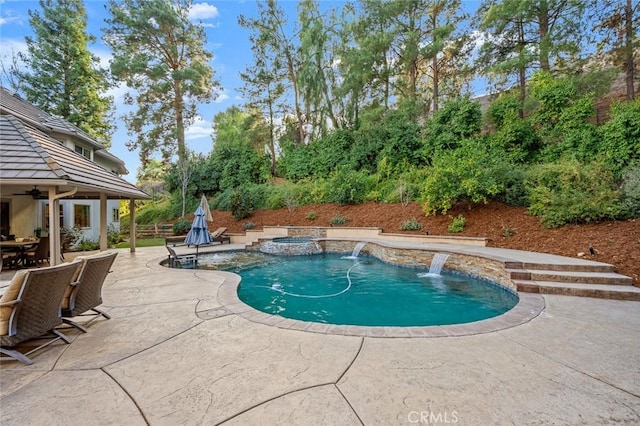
{"x":303,"y":248}
{"x":297,"y":232}
{"x":479,"y":267}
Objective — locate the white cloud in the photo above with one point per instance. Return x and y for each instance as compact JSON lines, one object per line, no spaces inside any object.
{"x":117,"y":93}
{"x":222,"y":96}
{"x":8,"y":19}
{"x":8,"y":16}
{"x":9,"y":46}
{"x":104,"y":56}
{"x":203,"y":11}
{"x":200,"y":128}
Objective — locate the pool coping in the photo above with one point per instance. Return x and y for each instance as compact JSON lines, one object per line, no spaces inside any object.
{"x":529,"y":306}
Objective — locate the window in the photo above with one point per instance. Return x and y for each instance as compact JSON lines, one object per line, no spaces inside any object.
{"x":45,"y":220}
{"x":82,"y":216}
{"x":115,"y":215}
{"x":83,"y":151}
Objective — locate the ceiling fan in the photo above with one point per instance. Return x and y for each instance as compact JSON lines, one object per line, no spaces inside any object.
{"x":34,"y":193}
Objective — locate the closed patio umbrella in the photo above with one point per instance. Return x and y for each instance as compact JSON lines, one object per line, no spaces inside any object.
{"x":205,"y":206}
{"x":199,"y":232}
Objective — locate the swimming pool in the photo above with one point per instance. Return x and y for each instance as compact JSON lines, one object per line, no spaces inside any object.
{"x":328,"y":288}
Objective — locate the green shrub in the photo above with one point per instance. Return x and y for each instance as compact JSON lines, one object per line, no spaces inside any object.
{"x":471,"y":173}
{"x":311,"y":192}
{"x":508,"y":232}
{"x":248,"y":225}
{"x":347,"y":186}
{"x":274,"y":198}
{"x":455,"y":121}
{"x":311,"y":215}
{"x":70,"y":237}
{"x":181,"y":227}
{"x":338,"y":219}
{"x":411,"y":225}
{"x":457,"y":224}
{"x":155,"y":212}
{"x":571,"y":192}
{"x":631,"y":191}
{"x":241,"y":204}
{"x":621,"y":134}
{"x":87,"y":245}
{"x":513,"y":180}
{"x":113,"y":235}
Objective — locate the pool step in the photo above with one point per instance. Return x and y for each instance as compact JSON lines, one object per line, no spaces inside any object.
{"x":602,"y":291}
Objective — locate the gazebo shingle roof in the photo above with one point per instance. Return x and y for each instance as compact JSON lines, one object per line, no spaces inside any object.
{"x":27,"y":153}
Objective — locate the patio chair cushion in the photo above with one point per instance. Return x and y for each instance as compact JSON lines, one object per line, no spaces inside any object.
{"x":10,"y":294}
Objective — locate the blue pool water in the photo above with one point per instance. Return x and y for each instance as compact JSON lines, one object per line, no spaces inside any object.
{"x":327,"y":288}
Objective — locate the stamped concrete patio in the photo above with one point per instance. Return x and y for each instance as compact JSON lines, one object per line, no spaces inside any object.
{"x":174,"y":353}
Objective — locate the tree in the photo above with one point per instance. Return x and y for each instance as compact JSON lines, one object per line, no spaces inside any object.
{"x":161,"y":56}
{"x":184,"y":171}
{"x":270,"y":32}
{"x":524,"y":34}
{"x":448,"y":50}
{"x":365,"y":61}
{"x":62,"y":77}
{"x":238,"y":127}
{"x":617,"y":22}
{"x":264,"y":88}
{"x":317,"y":74}
{"x":10,"y":71}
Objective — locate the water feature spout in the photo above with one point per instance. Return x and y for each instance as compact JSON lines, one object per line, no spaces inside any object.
{"x":357,"y":249}
{"x":437,"y":263}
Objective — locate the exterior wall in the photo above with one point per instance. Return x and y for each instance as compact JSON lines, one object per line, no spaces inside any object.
{"x":22,"y":216}
{"x":89,"y":233}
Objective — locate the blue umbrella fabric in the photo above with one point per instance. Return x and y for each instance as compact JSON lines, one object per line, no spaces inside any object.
{"x":199,"y":232}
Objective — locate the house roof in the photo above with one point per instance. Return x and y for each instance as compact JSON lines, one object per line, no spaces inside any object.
{"x":13,"y":104}
{"x":28,"y":156}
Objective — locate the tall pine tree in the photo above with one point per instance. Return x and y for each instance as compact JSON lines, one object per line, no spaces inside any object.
{"x":62,"y":77}
{"x":160,"y":54}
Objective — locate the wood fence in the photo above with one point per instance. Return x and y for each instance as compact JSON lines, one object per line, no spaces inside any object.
{"x":155,"y":230}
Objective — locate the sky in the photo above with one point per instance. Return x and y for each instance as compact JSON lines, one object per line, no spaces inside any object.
{"x":226,"y":39}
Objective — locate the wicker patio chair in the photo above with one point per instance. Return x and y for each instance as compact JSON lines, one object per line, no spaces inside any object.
{"x":40,"y":253}
{"x":84,"y":294}
{"x":30,"y":308}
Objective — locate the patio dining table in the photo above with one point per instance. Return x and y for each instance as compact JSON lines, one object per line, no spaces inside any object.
{"x":20,"y":248}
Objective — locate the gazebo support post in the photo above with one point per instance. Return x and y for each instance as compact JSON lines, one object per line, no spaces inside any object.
{"x":103,"y":221}
{"x":132,"y":225}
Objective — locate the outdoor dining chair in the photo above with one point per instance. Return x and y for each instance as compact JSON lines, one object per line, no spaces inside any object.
{"x":84,"y":293}
{"x":30,"y":309}
{"x":39,"y":254}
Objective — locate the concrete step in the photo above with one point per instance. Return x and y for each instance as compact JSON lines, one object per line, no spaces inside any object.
{"x":602,"y":291}
{"x":575,"y":267}
{"x":606,"y":278}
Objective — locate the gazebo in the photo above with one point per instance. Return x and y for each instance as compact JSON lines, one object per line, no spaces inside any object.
{"x":35,"y":164}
